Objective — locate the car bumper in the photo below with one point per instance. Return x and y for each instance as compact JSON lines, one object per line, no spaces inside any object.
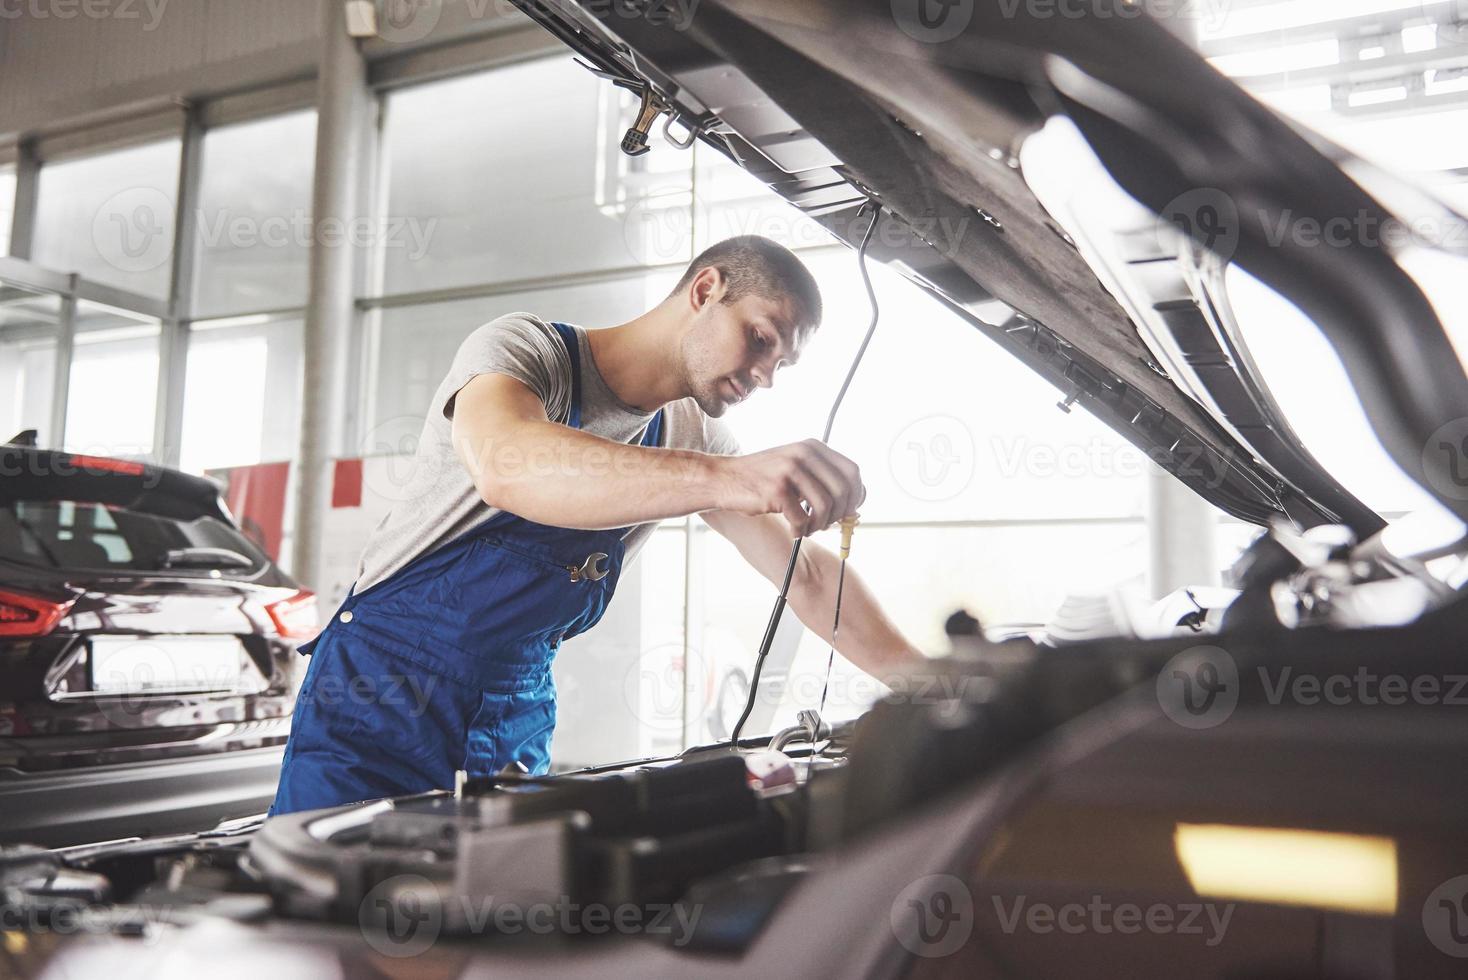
{"x":59,"y":809}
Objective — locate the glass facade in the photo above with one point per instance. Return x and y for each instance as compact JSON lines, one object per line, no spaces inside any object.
{"x":253,"y":222}
{"x":242,"y":401}
{"x":29,"y":323}
{"x":480,"y":188}
{"x":111,"y":216}
{"x":113,"y":391}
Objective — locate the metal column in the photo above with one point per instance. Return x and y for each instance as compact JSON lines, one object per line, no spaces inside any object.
{"x":173,"y":339}
{"x":23,"y":220}
{"x":61,"y":383}
{"x":343,"y":103}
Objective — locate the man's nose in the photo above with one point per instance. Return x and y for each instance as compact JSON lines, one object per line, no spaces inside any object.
{"x":764,"y":374}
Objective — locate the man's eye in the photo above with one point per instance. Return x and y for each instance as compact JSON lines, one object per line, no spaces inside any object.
{"x":760,"y":341}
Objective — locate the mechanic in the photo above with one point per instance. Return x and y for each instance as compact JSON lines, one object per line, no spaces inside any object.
{"x":549,"y":454}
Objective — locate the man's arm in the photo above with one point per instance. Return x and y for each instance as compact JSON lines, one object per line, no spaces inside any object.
{"x":522,"y":462}
{"x":867,"y":637}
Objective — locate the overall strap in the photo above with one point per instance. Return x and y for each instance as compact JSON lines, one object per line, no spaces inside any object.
{"x":573,"y":351}
{"x":652,"y":436}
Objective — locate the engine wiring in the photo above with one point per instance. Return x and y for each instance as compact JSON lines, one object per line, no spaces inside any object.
{"x":781,"y":599}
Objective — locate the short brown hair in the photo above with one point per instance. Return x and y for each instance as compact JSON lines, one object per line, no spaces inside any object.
{"x":755,"y":265}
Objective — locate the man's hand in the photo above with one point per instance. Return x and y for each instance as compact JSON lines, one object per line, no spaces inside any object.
{"x":776,"y":480}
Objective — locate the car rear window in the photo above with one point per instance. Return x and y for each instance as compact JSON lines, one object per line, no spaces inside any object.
{"x":88,"y":535}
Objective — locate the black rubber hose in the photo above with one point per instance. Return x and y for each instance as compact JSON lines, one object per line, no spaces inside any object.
{"x":779,"y":610}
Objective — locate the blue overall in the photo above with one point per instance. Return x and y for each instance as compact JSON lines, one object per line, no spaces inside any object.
{"x":446,"y":663}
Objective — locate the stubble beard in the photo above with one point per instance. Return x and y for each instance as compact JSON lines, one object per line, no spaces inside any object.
{"x":704,"y":391}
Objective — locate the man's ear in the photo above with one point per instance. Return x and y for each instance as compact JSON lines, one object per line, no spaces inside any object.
{"x":707,"y":287}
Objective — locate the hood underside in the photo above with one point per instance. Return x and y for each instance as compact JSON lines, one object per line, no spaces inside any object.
{"x":834,"y":103}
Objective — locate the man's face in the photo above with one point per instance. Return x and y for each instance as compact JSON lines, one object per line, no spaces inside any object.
{"x":736,"y":347}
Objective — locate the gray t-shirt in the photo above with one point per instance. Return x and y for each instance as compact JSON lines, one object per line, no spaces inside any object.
{"x":440,"y":502}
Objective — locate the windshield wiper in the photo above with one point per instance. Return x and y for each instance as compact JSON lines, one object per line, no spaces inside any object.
{"x":203,"y":558}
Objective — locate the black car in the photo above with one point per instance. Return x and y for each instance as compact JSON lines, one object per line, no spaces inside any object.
{"x":146,"y":648}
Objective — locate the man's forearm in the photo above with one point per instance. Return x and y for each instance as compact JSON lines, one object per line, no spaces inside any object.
{"x":552,"y":474}
{"x":867,"y":637}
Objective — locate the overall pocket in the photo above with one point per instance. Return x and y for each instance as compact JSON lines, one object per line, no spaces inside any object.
{"x":512,"y":728}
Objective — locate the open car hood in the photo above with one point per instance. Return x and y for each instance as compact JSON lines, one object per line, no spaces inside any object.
{"x":835,"y":103}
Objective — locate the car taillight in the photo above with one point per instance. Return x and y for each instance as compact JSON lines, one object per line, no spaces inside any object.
{"x":295,"y":618}
{"x":106,"y":464}
{"x":27,"y":615}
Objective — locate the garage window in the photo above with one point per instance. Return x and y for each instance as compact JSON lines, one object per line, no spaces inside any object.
{"x":28,"y":326}
{"x":110,"y":216}
{"x":253,"y":223}
{"x":114,"y":383}
{"x":483,"y":186}
{"x":242,"y":398}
